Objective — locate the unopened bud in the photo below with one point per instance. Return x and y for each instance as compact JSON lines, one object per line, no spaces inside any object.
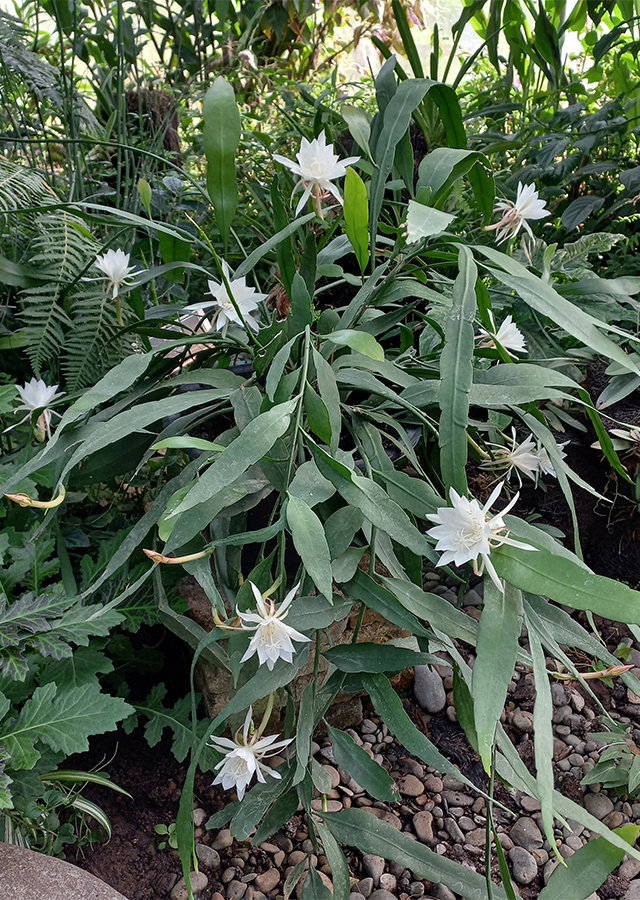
{"x":158,"y":558}
{"x":25,"y":500}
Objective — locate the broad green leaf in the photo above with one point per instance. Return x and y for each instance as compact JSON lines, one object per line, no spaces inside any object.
{"x":357,"y":828}
{"x":362,"y":587}
{"x":301,"y":312}
{"x":321,"y":778}
{"x":389,"y":706}
{"x":366,"y":657}
{"x":307,"y":613}
{"x":548,"y":302}
{"x":328,"y":390}
{"x":314,"y":887}
{"x":277,"y":367}
{"x":63,"y":720}
{"x":280,"y":813}
{"x":144,"y":191}
{"x":360,"y":341}
{"x":443,"y":166}
{"x":250,"y":446}
{"x":221,"y":134}
{"x":304,"y":732}
{"x":317,"y":415}
{"x":356,"y":215}
{"x":371,"y":777}
{"x":186,"y":442}
{"x":372,"y":500}
{"x":358,"y":124}
{"x":425,"y":221}
{"x":543,"y":737}
{"x":559,"y":578}
{"x":456,"y":374}
{"x":434,"y":609}
{"x":587,"y":869}
{"x":310,"y":542}
{"x":499,"y":626}
{"x":340,"y":529}
{"x":309,"y":485}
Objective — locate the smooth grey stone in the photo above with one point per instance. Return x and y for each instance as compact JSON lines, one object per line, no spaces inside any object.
{"x":423,"y":826}
{"x":629,"y":869}
{"x":236,"y":890}
{"x":429,"y":690}
{"x":599,"y":805}
{"x":454,"y":831}
{"x":456,"y":798}
{"x":365,"y":887}
{"x":525,"y":833}
{"x":199,"y":881}
{"x":209,"y":857}
{"x":381,"y":894}
{"x":442,"y":892}
{"x":523,"y":865}
{"x":633,"y":891}
{"x":558,"y":694}
{"x":27,"y":875}
{"x":373,"y":866}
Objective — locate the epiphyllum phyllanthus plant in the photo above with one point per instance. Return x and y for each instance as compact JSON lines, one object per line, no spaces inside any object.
{"x":318,"y":166}
{"x":234,"y":302}
{"x":244,"y":754}
{"x":465,"y":532}
{"x":272,"y":639}
{"x":528,"y":457}
{"x":527,"y":205}
{"x":115,"y":266}
{"x":37,"y":395}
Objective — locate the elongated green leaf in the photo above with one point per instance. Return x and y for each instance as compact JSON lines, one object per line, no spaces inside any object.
{"x":357,"y":828}
{"x":456,"y":375}
{"x":304,"y":732}
{"x":337,"y":862}
{"x":441,"y":168}
{"x":408,"y":44}
{"x":566,"y":582}
{"x":389,"y":706}
{"x":366,"y":772}
{"x":360,"y":341}
{"x":374,"y":596}
{"x":186,"y":442}
{"x":372,"y":500}
{"x":280,"y":813}
{"x":543,"y":738}
{"x":499,"y":626}
{"x":250,"y":446}
{"x":317,"y":415}
{"x":247,"y":265}
{"x":587,"y":869}
{"x":359,"y":125}
{"x":328,"y":389}
{"x":221,"y":134}
{"x":544,"y":299}
{"x":356,"y":215}
{"x":320,"y":777}
{"x":367,"y":657}
{"x":425,"y":221}
{"x":310,"y":542}
{"x":257,"y":801}
{"x":434,"y":609}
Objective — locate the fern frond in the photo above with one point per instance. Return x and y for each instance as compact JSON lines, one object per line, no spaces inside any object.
{"x":22,"y":187}
{"x":90,"y":349}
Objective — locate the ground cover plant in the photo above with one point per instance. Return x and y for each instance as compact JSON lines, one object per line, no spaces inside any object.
{"x":309,"y":411}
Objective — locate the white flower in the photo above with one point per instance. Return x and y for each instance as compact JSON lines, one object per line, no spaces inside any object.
{"x":37,"y":395}
{"x":243,"y":757}
{"x":115,"y":266}
{"x":527,"y":205}
{"x":508,"y":336}
{"x":246,"y":298}
{"x":528,"y":457}
{"x":272,"y":639}
{"x":465,"y":532}
{"x":318,"y":166}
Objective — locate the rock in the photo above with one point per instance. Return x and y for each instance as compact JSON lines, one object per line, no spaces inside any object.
{"x":268,"y":880}
{"x":365,"y":886}
{"x":333,"y":774}
{"x":613,"y":819}
{"x":476,"y":838}
{"x":525,"y":833}
{"x":523,"y":865}
{"x":373,"y":866}
{"x":550,"y":868}
{"x":599,"y":805}
{"x":410,"y":786}
{"x":27,"y":875}
{"x":472,"y":598}
{"x":423,"y":826}
{"x":332,"y":805}
{"x":456,"y":798}
{"x":633,"y":891}
{"x":354,"y":895}
{"x":236,"y":890}
{"x":416,"y":889}
{"x":199,"y":881}
{"x":523,"y":721}
{"x":429,"y":689}
{"x":381,"y":894}
{"x":530,"y":804}
{"x":433,"y":784}
{"x":454,"y":831}
{"x":223,"y":840}
{"x":442,"y":892}
{"x":629,"y":869}
{"x":209,"y":857}
{"x":388,"y":882}
{"x":385,"y":815}
{"x":229,"y":874}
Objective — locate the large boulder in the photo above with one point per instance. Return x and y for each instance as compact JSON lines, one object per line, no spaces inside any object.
{"x":27,"y":875}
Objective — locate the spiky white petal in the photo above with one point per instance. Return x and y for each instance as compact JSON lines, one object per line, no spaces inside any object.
{"x":36,"y":394}
{"x":318,"y":166}
{"x":515,"y":213}
{"x":465,"y":532}
{"x":246,"y":298}
{"x":272,"y":639}
{"x":508,"y":336}
{"x":115,"y":266}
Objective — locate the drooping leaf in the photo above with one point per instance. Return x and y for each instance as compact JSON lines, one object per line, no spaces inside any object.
{"x":221,"y":136}
{"x":356,"y":215}
{"x":310,"y":542}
